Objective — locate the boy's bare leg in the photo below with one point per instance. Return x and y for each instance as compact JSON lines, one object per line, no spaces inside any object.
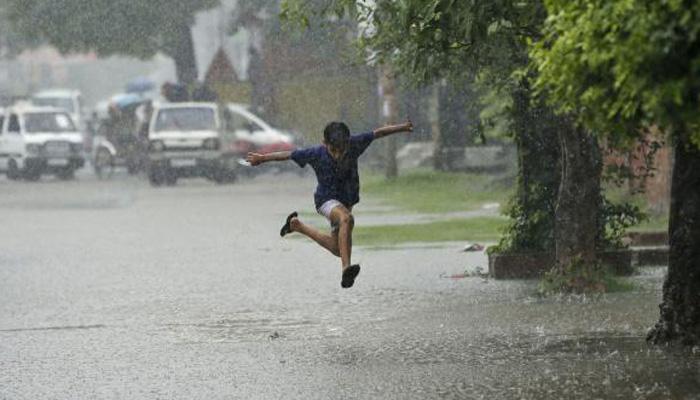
{"x":342,"y":217}
{"x":329,"y":242}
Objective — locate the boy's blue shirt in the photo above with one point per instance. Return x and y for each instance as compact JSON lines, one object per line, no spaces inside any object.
{"x":336,"y":180}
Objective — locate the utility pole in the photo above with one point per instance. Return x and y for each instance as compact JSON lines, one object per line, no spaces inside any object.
{"x":434,"y":118}
{"x":389,"y":113}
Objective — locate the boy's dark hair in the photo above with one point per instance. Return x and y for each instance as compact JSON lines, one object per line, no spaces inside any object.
{"x":336,"y":134}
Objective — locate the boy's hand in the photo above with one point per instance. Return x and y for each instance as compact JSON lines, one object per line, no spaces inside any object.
{"x":408,"y":125}
{"x":254,"y":158}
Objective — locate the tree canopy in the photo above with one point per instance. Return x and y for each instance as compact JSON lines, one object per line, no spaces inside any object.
{"x":430,"y":39}
{"x":138,"y":28}
{"x":11,"y":42}
{"x":621,"y":65}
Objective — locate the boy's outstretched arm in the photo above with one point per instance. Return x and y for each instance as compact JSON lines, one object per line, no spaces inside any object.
{"x":391,"y":129}
{"x":257,"y":158}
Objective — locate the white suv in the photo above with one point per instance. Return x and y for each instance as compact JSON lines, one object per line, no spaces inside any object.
{"x":39,"y":140}
{"x":66,"y":99}
{"x":185,"y":141}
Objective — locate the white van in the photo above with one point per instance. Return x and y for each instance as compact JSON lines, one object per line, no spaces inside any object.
{"x":66,"y":99}
{"x":39,"y":140}
{"x":185,"y":141}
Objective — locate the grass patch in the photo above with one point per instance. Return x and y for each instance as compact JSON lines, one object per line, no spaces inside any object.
{"x":427,"y":191}
{"x":616,"y":284}
{"x":654,"y":223}
{"x":470,"y":229}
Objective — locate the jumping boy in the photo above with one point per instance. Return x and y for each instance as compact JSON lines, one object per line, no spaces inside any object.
{"x":338,"y":189}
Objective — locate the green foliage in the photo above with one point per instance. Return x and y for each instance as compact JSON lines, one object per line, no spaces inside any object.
{"x":615,"y":220}
{"x":138,"y":28}
{"x":531,"y":226}
{"x":495,"y":115}
{"x":623,"y":171}
{"x":622,"y":65}
{"x":579,"y":278}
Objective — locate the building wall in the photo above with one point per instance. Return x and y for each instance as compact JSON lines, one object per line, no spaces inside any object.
{"x":656,"y":186}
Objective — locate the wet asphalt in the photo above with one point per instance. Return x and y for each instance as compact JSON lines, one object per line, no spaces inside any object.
{"x":117,"y":290}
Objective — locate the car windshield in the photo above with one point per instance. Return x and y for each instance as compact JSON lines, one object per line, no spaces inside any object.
{"x":237,"y":122}
{"x":244,"y":119}
{"x":58,"y":102}
{"x":48,"y":122}
{"x":185,"y":119}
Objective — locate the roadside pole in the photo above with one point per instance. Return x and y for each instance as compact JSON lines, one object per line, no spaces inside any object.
{"x":389,"y":113}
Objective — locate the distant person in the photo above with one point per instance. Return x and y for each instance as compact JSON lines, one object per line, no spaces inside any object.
{"x":144,"y":115}
{"x":116,"y":128}
{"x":338,"y":189}
{"x":174,"y":92}
{"x":91,"y":130}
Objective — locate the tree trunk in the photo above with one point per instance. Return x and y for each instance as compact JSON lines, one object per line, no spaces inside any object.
{"x":536,"y":128}
{"x":180,"y":46}
{"x":680,"y":307}
{"x":578,"y":203}
{"x":387,"y":87}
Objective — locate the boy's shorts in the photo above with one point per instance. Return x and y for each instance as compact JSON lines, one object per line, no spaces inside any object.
{"x":326,"y":209}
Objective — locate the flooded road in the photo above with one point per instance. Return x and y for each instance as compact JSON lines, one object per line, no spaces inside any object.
{"x":114,"y":290}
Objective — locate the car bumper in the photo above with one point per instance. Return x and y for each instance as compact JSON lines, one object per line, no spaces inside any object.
{"x":45,"y":164}
{"x":187,"y":163}
{"x":184,"y":155}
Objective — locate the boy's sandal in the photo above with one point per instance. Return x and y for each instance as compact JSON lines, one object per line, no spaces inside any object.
{"x":349,"y":275}
{"x":286,"y":228}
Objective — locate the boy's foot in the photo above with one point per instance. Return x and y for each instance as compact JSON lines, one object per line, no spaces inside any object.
{"x":286,"y":228}
{"x":349,"y":275}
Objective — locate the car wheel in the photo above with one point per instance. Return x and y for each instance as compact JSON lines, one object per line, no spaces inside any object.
{"x":170,"y":178}
{"x":154,"y":178}
{"x":13,"y":172}
{"x":104,"y":164}
{"x":32,"y":175}
{"x":223,"y":175}
{"x":157,"y":175}
{"x":134,"y":165}
{"x":229,"y":176}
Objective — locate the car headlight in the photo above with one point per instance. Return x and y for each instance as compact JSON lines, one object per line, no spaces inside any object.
{"x":33,"y":148}
{"x":211,"y":144}
{"x":157,"y":145}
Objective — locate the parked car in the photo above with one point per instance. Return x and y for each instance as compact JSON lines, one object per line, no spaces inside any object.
{"x":185,"y":141}
{"x":246,"y":132}
{"x":39,"y":140}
